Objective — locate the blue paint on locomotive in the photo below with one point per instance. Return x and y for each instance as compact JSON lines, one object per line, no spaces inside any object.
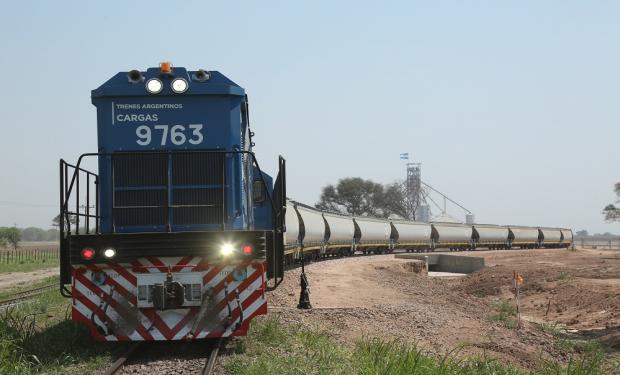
{"x":209,"y":116}
{"x":263,"y":213}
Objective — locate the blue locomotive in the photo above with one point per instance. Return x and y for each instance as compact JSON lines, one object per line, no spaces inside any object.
{"x":178,"y":234}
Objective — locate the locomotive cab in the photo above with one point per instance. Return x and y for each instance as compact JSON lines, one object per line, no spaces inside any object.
{"x":179,"y":229}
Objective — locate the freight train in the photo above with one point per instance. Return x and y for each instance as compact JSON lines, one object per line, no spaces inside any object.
{"x":322,"y":234}
{"x":178,"y":234}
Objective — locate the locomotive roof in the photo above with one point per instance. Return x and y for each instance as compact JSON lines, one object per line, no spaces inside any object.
{"x":120,"y":85}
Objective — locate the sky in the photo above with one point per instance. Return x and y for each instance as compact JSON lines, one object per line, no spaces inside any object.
{"x":512,"y":107}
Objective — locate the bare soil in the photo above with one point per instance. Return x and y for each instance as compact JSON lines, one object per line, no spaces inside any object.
{"x":11,"y":280}
{"x":378,"y":296}
{"x":577,"y":289}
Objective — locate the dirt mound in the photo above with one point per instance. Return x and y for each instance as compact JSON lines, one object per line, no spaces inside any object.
{"x":491,"y":281}
{"x":412,"y":266}
{"x":579,"y":303}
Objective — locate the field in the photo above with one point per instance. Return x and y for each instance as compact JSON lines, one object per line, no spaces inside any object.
{"x":29,"y":256}
{"x":372,"y":315}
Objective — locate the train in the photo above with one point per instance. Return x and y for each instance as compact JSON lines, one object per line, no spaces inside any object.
{"x":322,"y":234}
{"x":170,"y":231}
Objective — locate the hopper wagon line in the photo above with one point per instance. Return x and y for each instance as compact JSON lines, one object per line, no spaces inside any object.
{"x":342,"y":235}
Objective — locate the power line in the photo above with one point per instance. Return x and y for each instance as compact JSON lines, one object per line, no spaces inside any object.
{"x":23,"y":204}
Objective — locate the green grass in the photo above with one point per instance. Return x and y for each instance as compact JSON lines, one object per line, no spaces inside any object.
{"x":279,"y":350}
{"x":29,"y":265}
{"x":569,"y":343}
{"x":564,"y":276}
{"x":376,"y":356}
{"x":552,"y":329}
{"x":29,"y":257}
{"x":579,"y":346}
{"x":580,"y":365}
{"x":591,"y":352}
{"x":39,"y":336}
{"x":7,"y":293}
{"x":271,"y":348}
{"x":505,"y":313}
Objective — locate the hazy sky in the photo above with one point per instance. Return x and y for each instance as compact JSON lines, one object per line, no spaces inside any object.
{"x":513,"y":107}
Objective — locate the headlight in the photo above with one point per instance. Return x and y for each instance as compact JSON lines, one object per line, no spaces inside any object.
{"x":154,"y":86}
{"x":227,"y":249}
{"x":179,"y":85}
{"x":109,"y":252}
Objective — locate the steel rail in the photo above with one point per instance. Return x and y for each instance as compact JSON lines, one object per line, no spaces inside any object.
{"x":118,"y":364}
{"x":210,"y":364}
{"x":15,"y":298}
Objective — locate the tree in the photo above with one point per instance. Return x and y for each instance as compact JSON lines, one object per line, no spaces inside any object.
{"x":52,"y":235}
{"x":394,"y":200}
{"x":582,"y":233}
{"x":56,"y":221}
{"x":11,"y":235}
{"x":611,"y":212}
{"x":38,"y":234}
{"x":353,"y":195}
{"x":356,"y":196}
{"x":33,"y":234}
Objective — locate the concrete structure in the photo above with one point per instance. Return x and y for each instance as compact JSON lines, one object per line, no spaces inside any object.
{"x":448,"y":263}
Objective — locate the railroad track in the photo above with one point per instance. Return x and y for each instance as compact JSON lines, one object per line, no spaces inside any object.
{"x":213,"y":349}
{"x":19,"y":297}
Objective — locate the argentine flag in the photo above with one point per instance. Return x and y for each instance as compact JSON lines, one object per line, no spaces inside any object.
{"x":404,"y":156}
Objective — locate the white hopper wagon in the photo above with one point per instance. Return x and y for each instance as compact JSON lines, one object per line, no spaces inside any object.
{"x":567,"y":238}
{"x":339,"y":233}
{"x":291,"y":236}
{"x":524,"y":237}
{"x":490,"y":236}
{"x":372,"y":234}
{"x":452,"y":235}
{"x":311,"y":227}
{"x":550,"y":237}
{"x":411,"y":235}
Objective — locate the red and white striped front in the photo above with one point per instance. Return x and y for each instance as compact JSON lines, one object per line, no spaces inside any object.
{"x":222,"y":298}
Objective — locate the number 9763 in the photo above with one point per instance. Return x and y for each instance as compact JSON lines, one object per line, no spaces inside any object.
{"x":177,"y":134}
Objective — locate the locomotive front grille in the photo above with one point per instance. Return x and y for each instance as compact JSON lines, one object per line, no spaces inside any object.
{"x":161,"y":191}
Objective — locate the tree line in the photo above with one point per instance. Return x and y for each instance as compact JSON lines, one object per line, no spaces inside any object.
{"x":360,"y":197}
{"x":11,"y":236}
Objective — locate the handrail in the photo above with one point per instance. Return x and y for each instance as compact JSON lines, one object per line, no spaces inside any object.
{"x":77,"y":167}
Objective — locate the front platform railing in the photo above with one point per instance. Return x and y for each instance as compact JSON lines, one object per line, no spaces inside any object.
{"x":81,"y":196}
